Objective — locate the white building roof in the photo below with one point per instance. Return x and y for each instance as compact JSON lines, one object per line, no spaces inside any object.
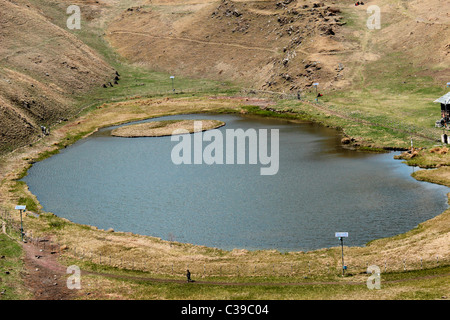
{"x":445,"y":99}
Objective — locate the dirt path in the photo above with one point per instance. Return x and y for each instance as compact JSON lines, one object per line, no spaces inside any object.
{"x":236,"y":45}
{"x":45,"y":277}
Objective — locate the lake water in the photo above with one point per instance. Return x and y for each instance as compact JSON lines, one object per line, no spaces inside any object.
{"x":132,"y":184}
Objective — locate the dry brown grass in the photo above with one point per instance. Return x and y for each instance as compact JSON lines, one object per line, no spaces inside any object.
{"x":427,"y":158}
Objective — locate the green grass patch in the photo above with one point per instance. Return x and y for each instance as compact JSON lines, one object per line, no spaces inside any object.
{"x":29,"y":202}
{"x":11,"y":266}
{"x":44,"y":155}
{"x":371,"y":149}
{"x":19,"y":189}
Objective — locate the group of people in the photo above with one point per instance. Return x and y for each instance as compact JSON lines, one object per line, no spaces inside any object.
{"x":359,"y":3}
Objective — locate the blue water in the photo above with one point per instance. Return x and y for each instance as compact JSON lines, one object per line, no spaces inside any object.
{"x":131,"y":184}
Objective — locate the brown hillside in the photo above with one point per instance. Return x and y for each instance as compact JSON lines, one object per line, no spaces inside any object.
{"x":281,"y":44}
{"x":260,"y":43}
{"x":42,"y":68}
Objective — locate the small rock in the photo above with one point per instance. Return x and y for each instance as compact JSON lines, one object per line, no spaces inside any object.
{"x":345,"y":140}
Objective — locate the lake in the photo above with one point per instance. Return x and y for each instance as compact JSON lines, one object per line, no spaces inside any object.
{"x":133,"y":185}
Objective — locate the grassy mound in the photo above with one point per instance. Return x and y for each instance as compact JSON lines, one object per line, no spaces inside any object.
{"x":165,"y":128}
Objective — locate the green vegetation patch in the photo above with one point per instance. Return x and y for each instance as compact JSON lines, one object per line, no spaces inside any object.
{"x":11,"y":266}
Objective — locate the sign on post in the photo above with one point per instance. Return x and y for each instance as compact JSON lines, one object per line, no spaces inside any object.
{"x":20,"y":208}
{"x":341,"y":234}
{"x":172,"y":77}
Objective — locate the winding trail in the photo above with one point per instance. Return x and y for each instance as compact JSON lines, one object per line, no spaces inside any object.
{"x":236,"y":45}
{"x":47,"y":277}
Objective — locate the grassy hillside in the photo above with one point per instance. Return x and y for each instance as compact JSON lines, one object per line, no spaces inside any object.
{"x":43,"y":67}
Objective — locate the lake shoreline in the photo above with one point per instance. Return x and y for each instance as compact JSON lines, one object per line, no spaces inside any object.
{"x":16,"y":165}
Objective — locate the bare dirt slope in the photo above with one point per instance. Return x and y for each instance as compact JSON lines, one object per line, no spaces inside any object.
{"x":259,"y":43}
{"x":43,"y":67}
{"x":282,"y":44}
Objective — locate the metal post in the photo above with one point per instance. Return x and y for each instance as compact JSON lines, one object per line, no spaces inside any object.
{"x":21,"y":225}
{"x":21,"y":208}
{"x":173,"y":88}
{"x":342,"y":246}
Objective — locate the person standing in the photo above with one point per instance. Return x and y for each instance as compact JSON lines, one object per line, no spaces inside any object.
{"x":188,"y":276}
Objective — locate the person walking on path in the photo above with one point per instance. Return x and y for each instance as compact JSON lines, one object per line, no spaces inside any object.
{"x":188,"y":276}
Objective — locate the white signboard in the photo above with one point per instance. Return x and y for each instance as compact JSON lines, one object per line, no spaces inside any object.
{"x":21,"y":207}
{"x":315,"y":84}
{"x":341,"y":234}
